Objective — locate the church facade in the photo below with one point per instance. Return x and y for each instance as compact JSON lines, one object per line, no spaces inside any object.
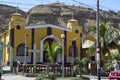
{"x":28,"y":41}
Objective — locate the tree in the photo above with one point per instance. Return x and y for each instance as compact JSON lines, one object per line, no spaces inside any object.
{"x":110,"y":60}
{"x":92,"y":49}
{"x":81,"y":65}
{"x":52,"y":50}
{"x":108,"y":36}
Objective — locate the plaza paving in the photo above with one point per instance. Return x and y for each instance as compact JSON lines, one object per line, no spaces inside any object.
{"x":19,"y":77}
{"x":15,"y":77}
{"x":95,"y":78}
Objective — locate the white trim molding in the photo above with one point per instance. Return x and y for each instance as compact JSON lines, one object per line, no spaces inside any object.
{"x":48,"y":25}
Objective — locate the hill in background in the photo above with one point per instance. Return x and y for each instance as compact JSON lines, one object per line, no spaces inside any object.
{"x":5,"y":16}
{"x":58,"y":14}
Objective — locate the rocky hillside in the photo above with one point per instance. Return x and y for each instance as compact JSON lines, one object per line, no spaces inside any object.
{"x":58,"y":14}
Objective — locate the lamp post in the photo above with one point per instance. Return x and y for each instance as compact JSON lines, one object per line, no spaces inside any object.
{"x":62,"y":36}
{"x":97,"y":42}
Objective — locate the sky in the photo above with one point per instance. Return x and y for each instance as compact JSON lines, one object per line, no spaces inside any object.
{"x":27,"y":4}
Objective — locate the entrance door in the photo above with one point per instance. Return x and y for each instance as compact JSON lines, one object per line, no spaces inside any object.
{"x":45,"y":55}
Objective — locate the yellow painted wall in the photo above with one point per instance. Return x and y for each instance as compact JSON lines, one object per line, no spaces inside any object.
{"x":16,"y":18}
{"x":18,"y":39}
{"x":73,"y":36}
{"x":5,"y":39}
{"x":7,"y":49}
{"x":28,"y":33}
{"x":40,"y":33}
{"x":19,"y":34}
{"x":57,"y":33}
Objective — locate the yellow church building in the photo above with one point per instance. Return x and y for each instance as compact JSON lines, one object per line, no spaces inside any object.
{"x":29,"y":40}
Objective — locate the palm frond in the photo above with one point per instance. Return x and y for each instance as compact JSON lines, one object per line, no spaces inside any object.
{"x":92,"y":49}
{"x":52,"y":50}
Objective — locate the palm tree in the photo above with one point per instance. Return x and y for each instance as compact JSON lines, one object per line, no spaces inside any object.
{"x":110,"y":60}
{"x":52,"y":50}
{"x":92,"y":49}
{"x":81,"y":65}
{"x":108,"y":36}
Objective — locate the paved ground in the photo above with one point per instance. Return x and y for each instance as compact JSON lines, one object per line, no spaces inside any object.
{"x":18,"y":77}
{"x":15,"y":77}
{"x":95,"y":78}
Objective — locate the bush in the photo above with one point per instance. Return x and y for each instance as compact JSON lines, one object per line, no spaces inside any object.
{"x":40,"y":77}
{"x":46,"y":76}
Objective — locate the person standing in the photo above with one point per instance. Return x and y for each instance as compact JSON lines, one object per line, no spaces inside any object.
{"x":116,"y":66}
{"x":18,"y":66}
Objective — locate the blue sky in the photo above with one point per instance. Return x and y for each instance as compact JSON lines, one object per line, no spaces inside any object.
{"x":27,"y":4}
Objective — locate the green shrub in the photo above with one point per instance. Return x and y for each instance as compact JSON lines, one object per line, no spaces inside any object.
{"x":41,"y":77}
{"x":51,"y":76}
{"x":46,"y":76}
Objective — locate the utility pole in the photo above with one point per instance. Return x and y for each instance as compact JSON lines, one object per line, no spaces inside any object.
{"x":97,"y":42}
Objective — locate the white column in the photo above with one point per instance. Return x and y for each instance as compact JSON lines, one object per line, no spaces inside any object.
{"x":41,"y":52}
{"x":58,"y":58}
{"x":62,"y":36}
{"x":25,"y":49}
{"x":25,"y":54}
{"x":34,"y":54}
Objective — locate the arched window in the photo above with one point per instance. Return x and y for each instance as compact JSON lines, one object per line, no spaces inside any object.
{"x":73,"y":53}
{"x":21,"y":50}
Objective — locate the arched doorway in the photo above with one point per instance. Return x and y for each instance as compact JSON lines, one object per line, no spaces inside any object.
{"x":50,"y":39}
{"x":45,"y":56}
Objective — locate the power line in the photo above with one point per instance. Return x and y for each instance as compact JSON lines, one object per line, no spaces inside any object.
{"x":89,"y":6}
{"x":44,"y":1}
{"x":101,"y":6}
{"x":16,"y":3}
{"x":84,"y":4}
